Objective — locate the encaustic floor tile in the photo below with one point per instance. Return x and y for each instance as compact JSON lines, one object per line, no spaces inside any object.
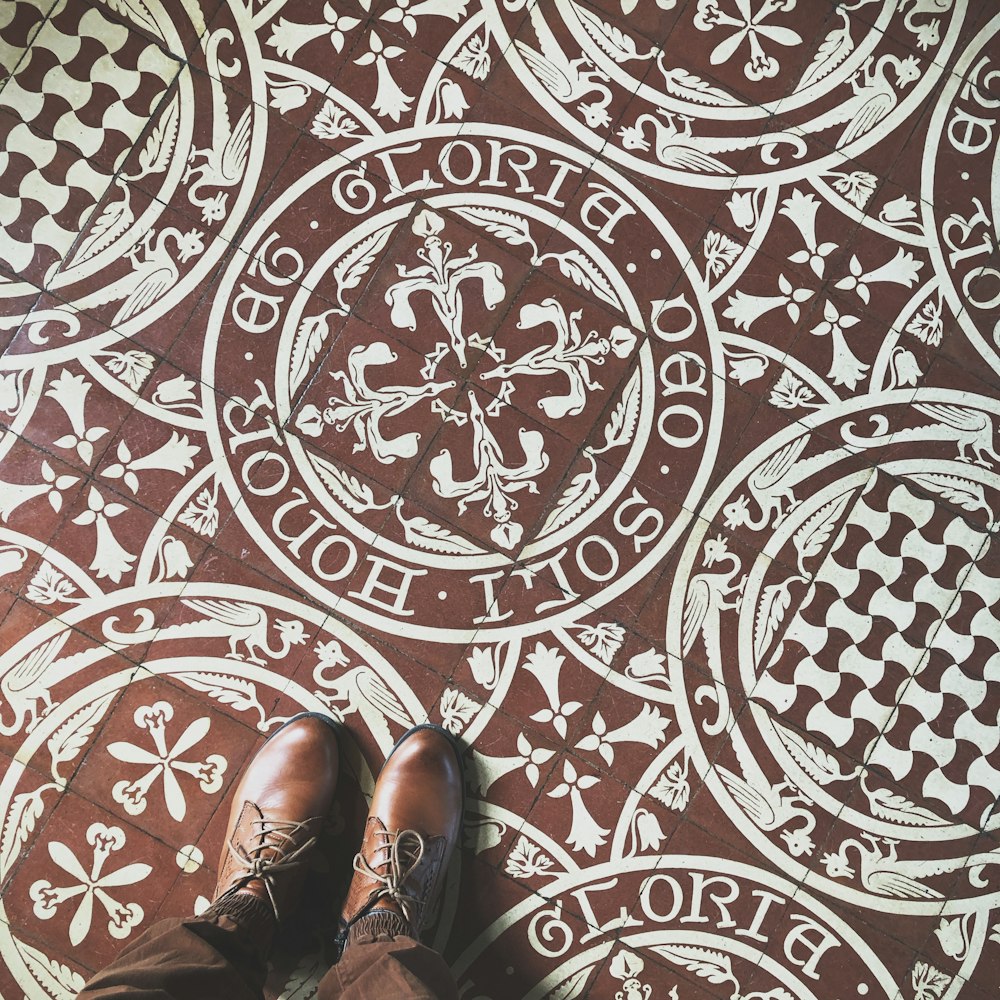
{"x":607,"y":383}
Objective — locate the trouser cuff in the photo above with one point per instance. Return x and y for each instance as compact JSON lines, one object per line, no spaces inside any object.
{"x":253,"y":914}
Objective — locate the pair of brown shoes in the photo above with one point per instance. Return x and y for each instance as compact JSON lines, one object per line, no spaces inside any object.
{"x":287,"y":790}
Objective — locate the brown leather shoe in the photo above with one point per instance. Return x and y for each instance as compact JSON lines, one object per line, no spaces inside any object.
{"x":413,"y":825}
{"x":278,"y":808}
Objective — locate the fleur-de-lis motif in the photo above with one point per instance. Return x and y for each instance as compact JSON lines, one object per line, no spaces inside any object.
{"x":154,"y":718}
{"x":122,"y":917}
{"x":441,"y":276}
{"x":364,"y":407}
{"x":494,"y":479}
{"x":572,"y":355}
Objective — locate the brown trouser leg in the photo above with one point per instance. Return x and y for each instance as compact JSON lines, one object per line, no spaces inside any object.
{"x":197,"y":958}
{"x":210,"y":957}
{"x":385,"y":967}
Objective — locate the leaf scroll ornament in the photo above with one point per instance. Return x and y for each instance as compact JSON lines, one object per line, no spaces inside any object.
{"x":309,"y":339}
{"x":110,"y":225}
{"x":355,"y":264}
{"x":237,"y":692}
{"x":513,"y":229}
{"x":137,"y":11}
{"x":898,"y":809}
{"x":57,"y":980}
{"x":621,"y":425}
{"x":356,"y":496}
{"x":575,"y":499}
{"x":581,"y":270}
{"x":774,"y":602}
{"x":155,"y":156}
{"x":832,"y":51}
{"x":966,"y":493}
{"x":611,"y":39}
{"x":19,"y":824}
{"x":704,"y":962}
{"x":821,"y":766}
{"x":815,"y":533}
{"x":303,"y":983}
{"x":72,"y":736}
{"x":425,"y":534}
{"x":573,"y":987}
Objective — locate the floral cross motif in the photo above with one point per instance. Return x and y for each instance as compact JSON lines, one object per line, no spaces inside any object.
{"x":93,"y":885}
{"x":494,"y":478}
{"x":748,"y":25}
{"x":442,"y":276}
{"x":154,"y":718}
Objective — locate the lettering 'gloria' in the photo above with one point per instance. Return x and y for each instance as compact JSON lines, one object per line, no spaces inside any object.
{"x":453,"y":318}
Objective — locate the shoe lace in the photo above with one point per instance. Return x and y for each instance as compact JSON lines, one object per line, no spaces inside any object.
{"x":403,"y":851}
{"x":273,"y":850}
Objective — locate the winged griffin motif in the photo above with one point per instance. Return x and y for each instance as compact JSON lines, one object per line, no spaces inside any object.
{"x":224,"y":162}
{"x":883,"y":873}
{"x":678,"y":148}
{"x":567,"y":80}
{"x":238,"y":623}
{"x":873,"y":99}
{"x":155,"y":270}
{"x":971,"y":430}
{"x":708,"y":595}
{"x":361,"y":690}
{"x":26,"y":684}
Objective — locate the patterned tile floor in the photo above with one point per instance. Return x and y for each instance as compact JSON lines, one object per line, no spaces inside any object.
{"x":611,"y":381}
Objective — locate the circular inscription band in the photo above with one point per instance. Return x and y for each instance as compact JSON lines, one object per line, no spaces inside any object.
{"x":415,"y":349}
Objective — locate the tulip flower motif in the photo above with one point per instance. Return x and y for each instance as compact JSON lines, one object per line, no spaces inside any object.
{"x":175,"y":560}
{"x":953,"y":936}
{"x":745,"y":209}
{"x":449,"y":101}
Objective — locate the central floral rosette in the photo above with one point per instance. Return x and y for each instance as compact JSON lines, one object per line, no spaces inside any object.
{"x":382,"y":390}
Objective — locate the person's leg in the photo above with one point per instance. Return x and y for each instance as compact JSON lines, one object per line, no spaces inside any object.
{"x":278,"y":808}
{"x":191,"y":958}
{"x":413,"y":825}
{"x":381,"y":960}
